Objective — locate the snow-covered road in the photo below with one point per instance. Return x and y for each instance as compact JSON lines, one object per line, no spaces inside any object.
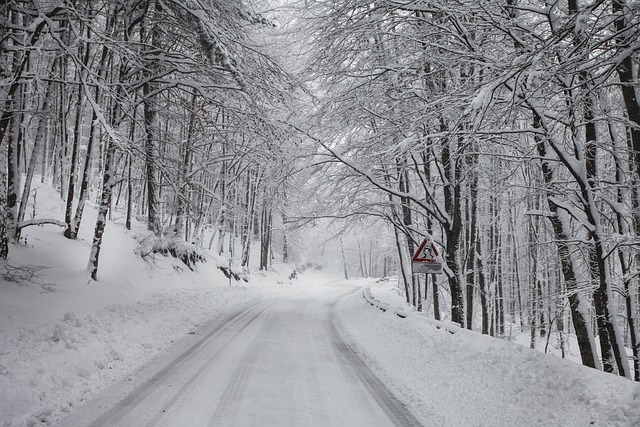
{"x":282,"y":362}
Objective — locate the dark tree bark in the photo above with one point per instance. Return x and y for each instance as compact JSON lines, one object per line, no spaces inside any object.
{"x":221,"y":222}
{"x":33,"y":32}
{"x":436,"y":297}
{"x":149,"y":92}
{"x":150,"y":159}
{"x":180,"y":227}
{"x":470,"y":264}
{"x":453,"y":232}
{"x":580,"y":322}
{"x":265,"y":235}
{"x":105,"y":200}
{"x":252,"y":185}
{"x":625,"y":260}
{"x":129,"y":193}
{"x":628,"y":84}
{"x":72,"y":230}
{"x":13,"y":173}
{"x":38,"y":143}
{"x":400,"y":245}
{"x":407,"y":221}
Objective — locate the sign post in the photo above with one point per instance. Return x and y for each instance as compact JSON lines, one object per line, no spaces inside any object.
{"x":426,"y":260}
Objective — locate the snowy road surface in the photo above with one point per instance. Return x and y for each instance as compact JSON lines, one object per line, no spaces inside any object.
{"x":278,"y":363}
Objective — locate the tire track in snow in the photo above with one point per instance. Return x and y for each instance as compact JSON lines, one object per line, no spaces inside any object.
{"x":206,"y":365}
{"x":228,"y":407}
{"x":277,"y":363}
{"x":130,"y":402}
{"x":397,"y":411}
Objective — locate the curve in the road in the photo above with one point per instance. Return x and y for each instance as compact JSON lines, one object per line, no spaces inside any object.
{"x":283,"y":362}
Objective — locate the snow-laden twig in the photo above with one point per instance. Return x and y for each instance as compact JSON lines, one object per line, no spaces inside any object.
{"x":40,"y":221}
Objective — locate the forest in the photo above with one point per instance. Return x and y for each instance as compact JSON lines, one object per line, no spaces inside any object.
{"x":506,"y":130}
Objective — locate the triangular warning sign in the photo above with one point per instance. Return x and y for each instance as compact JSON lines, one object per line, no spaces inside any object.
{"x":426,"y":252}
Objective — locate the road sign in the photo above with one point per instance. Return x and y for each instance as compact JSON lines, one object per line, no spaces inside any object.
{"x":427,"y":267}
{"x":427,"y":252}
{"x":426,"y":259}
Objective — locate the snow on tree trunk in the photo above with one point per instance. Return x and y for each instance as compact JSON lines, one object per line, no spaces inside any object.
{"x":606,"y":307}
{"x":21,"y":40}
{"x":39,"y":141}
{"x":108,"y":181}
{"x":84,"y":183}
{"x":436,"y":297}
{"x":72,"y":229}
{"x":149,"y":92}
{"x":453,"y":233}
{"x":182,"y":200}
{"x":252,"y":185}
{"x":470,"y":265}
{"x":13,"y":173}
{"x":150,"y":159}
{"x":407,"y":222}
{"x":86,"y":172}
{"x":406,"y":273}
{"x":626,"y":31}
{"x":561,"y":229}
{"x":345,"y":268}
{"x":128,"y":218}
{"x":265,"y":235}
{"x":4,"y":240}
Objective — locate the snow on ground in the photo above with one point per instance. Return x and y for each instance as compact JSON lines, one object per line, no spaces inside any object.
{"x":469,"y":379}
{"x":63,"y":337}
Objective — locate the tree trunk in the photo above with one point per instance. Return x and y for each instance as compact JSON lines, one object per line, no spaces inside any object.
{"x":584,"y":336}
{"x":150,"y":159}
{"x":405,"y":270}
{"x":183,"y":184}
{"x":265,"y":235}
{"x":150,"y":111}
{"x":344,"y":260}
{"x":482,"y":285}
{"x":72,"y":228}
{"x":252,"y":182}
{"x":470,"y":264}
{"x":86,"y":172}
{"x":285,"y":242}
{"x":13,"y":173}
{"x":38,"y":143}
{"x":15,"y":103}
{"x":628,"y":84}
{"x":105,"y":200}
{"x":37,"y":25}
{"x":129,"y":191}
{"x":403,"y":186}
{"x":436,"y":297}
{"x":452,"y":233}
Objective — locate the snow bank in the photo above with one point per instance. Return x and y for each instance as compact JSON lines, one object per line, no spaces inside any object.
{"x":54,"y":367}
{"x":468,"y":379}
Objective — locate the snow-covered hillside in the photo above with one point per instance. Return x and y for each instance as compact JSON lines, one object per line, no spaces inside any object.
{"x":64,"y":337}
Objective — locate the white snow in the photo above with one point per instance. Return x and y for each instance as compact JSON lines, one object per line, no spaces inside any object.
{"x":64,"y":338}
{"x":469,"y":379}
